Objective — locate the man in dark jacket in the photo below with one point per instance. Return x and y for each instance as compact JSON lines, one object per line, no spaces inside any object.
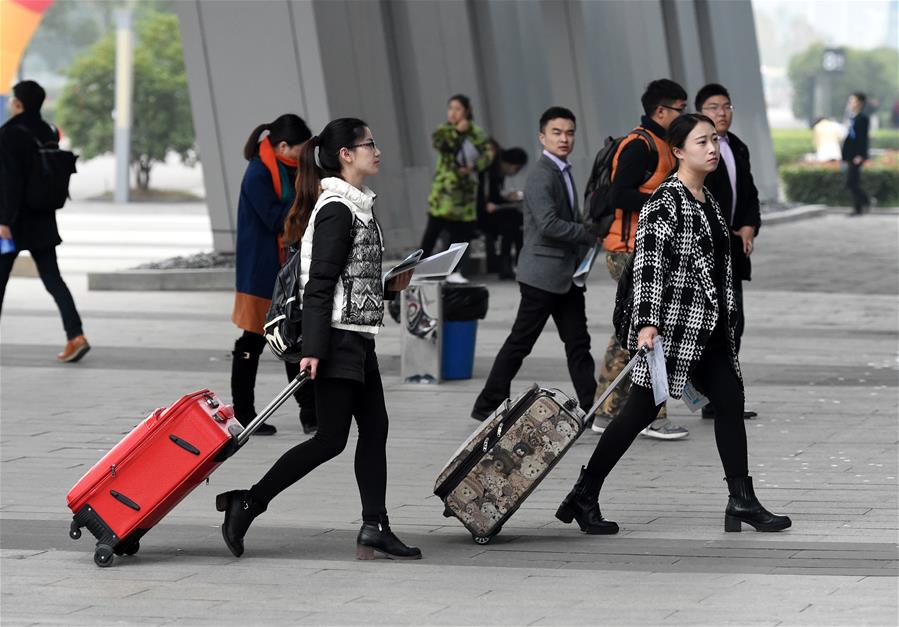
{"x":855,"y":150}
{"x":555,"y":241}
{"x":732,"y":186}
{"x":33,"y":228}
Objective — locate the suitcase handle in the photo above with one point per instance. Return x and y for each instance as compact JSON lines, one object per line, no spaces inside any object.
{"x":272,"y":407}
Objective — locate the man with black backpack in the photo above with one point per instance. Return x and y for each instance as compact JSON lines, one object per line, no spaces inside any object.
{"x":33,"y":184}
{"x":636,"y":165}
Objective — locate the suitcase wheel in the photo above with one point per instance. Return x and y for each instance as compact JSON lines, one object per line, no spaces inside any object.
{"x":103,"y":556}
{"x":447,"y":512}
{"x":74,"y":531}
{"x":485,"y":539}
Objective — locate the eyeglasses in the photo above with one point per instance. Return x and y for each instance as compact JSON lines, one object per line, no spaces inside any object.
{"x":680,"y":111}
{"x":371,"y":145}
{"x":728,"y":108}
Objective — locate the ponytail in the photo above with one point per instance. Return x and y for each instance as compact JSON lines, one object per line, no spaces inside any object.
{"x":338,"y":134}
{"x":289,"y":128}
{"x":252,"y":146}
{"x":307,"y":185}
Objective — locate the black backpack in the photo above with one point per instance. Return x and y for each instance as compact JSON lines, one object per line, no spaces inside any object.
{"x":623,"y":313}
{"x":47,"y":185}
{"x":598,"y":208}
{"x":283,"y":328}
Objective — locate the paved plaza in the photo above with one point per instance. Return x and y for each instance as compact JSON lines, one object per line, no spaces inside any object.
{"x":820,"y":363}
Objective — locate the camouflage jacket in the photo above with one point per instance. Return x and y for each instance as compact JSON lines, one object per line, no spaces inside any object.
{"x":453,"y":195}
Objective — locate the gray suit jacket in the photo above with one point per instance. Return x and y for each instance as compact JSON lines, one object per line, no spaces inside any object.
{"x":555,"y":240}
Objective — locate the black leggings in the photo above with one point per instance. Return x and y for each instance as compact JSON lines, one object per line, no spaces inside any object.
{"x":48,"y":269}
{"x":254,"y":344}
{"x":715,"y":375}
{"x":338,"y":401}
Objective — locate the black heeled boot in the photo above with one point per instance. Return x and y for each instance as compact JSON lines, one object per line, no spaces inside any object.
{"x":582,"y":504}
{"x":377,"y":536}
{"x":244,"y":364}
{"x":744,"y":507}
{"x":240,"y":510}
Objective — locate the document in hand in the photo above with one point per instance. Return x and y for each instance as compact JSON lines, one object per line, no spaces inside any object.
{"x":657,"y":371}
{"x":583,"y":270}
{"x":441,"y":264}
{"x":693,"y":398}
{"x":408,"y":263}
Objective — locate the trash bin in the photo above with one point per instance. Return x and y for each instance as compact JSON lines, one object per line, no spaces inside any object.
{"x":463,"y":306}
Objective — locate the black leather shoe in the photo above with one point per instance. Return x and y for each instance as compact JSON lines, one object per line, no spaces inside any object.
{"x":582,"y":504}
{"x":266,"y":429}
{"x":744,"y":507}
{"x":240,"y":510}
{"x":708,"y":412}
{"x":378,"y":537}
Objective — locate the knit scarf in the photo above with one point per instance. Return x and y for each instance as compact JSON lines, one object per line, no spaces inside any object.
{"x":277,"y":166}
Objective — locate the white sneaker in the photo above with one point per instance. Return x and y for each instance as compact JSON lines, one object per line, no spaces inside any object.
{"x":664,"y":429}
{"x":456,"y":277}
{"x":600,"y":423}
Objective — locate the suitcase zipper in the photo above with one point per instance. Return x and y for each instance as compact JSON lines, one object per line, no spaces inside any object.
{"x":472,"y":459}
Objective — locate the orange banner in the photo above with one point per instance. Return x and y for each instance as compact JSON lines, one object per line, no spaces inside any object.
{"x":18,"y":21}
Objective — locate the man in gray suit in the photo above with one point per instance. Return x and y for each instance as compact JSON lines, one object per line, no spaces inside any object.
{"x":555,"y":241}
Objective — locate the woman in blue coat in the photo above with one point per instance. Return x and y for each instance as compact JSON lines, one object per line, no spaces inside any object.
{"x":266,"y":194}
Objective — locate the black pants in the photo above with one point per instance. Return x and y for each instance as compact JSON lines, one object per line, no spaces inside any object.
{"x":456,"y":230}
{"x":248,"y":349}
{"x":505,"y":225}
{"x":717,"y":379}
{"x":535,"y":308}
{"x":48,"y":270}
{"x":338,"y":401}
{"x":854,"y":183}
{"x":741,"y":317}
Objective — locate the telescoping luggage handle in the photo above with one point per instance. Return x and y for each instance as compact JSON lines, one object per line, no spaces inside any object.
{"x":272,"y":407}
{"x":626,"y":371}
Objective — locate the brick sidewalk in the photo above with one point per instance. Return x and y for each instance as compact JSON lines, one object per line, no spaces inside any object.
{"x":821,"y":369}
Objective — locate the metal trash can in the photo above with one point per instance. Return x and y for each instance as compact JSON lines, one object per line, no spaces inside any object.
{"x":439,"y":329}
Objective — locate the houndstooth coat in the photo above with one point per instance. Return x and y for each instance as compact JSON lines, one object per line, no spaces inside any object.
{"x":673,"y":285}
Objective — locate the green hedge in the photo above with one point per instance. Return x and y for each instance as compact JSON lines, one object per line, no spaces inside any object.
{"x":791,"y":144}
{"x":825,"y":184}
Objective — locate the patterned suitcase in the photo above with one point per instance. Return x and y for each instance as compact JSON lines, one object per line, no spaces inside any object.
{"x":507,"y":457}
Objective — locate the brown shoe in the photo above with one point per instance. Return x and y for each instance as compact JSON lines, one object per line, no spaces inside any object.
{"x":75,"y":349}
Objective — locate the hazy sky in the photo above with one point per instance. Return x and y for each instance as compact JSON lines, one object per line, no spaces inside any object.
{"x":855,"y":23}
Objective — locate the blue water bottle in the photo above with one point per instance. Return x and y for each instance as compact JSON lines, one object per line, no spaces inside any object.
{"x":7,"y":246}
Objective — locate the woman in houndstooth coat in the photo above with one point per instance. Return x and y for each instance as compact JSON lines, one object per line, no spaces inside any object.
{"x":683,"y":291}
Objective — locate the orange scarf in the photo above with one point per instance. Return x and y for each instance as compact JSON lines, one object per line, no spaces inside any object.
{"x":270,"y":160}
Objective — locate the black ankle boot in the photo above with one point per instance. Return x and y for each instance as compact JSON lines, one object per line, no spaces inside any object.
{"x":240,"y":510}
{"x":744,"y":507}
{"x":582,"y":504}
{"x":377,"y":536}
{"x":244,"y":364}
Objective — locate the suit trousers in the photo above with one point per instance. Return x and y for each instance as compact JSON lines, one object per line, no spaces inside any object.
{"x":854,"y":183}
{"x":536,"y":307}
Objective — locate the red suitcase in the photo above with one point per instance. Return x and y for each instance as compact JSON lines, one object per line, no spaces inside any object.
{"x":155,"y":466}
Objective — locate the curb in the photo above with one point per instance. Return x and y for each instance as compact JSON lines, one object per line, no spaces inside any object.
{"x":222,"y":279}
{"x":201,"y":280}
{"x":793,"y":215}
